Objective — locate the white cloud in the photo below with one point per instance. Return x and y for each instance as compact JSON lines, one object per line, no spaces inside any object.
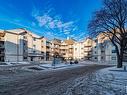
{"x":66,"y":32}
{"x":54,"y":24}
{"x":43,"y":20}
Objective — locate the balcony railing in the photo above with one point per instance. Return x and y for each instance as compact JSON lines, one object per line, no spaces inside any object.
{"x":1,"y":38}
{"x":35,"y":54}
{"x":2,"y":54}
{"x":2,"y":46}
{"x":70,"y":47}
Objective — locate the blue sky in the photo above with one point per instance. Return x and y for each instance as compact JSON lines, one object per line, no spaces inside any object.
{"x":49,"y":18}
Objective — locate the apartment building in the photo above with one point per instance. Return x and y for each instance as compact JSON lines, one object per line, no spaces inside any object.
{"x":43,"y":48}
{"x":83,"y":50}
{"x":104,"y":50}
{"x":18,"y":45}
{"x":12,"y":46}
{"x":2,"y":48}
{"x":48,"y":50}
{"x":78,"y":50}
{"x":35,"y":47}
{"x":55,"y":47}
{"x":88,"y":44}
{"x":66,"y":49}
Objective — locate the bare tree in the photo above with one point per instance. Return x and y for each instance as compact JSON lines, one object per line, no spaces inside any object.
{"x":111,"y":19}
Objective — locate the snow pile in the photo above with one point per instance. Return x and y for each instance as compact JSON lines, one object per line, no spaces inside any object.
{"x":16,"y":63}
{"x":107,"y":81}
{"x":58,"y":66}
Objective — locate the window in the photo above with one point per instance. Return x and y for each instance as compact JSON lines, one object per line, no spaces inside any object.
{"x":64,"y":53}
{"x":24,"y":50}
{"x":42,"y":52}
{"x":34,"y":46}
{"x":113,"y":51}
{"x":34,"y":39}
{"x":96,"y":40}
{"x":102,"y":51}
{"x":64,"y":50}
{"x":24,"y":37}
{"x":113,"y":58}
{"x":42,"y":57}
{"x":34,"y":51}
{"x":24,"y":57}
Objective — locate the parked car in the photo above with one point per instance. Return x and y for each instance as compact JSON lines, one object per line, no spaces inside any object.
{"x":71,"y":62}
{"x":76,"y":62}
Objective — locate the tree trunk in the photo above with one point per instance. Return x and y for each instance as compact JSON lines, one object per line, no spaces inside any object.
{"x":120,"y":58}
{"x":119,"y":61}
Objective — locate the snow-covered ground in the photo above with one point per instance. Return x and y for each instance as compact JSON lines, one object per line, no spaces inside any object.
{"x":49,"y":67}
{"x":109,"y":81}
{"x":57,"y":66}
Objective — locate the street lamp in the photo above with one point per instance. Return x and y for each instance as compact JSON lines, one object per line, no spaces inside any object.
{"x":53,"y":62}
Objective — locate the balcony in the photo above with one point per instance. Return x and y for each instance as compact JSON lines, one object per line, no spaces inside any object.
{"x":2,"y":46}
{"x":70,"y":46}
{"x":2,"y":54}
{"x":36,"y":54}
{"x":87,"y":46}
{"x":63,"y":47}
{"x":2,"y":33}
{"x":87,"y":50}
{"x":102,"y":51}
{"x":1,"y":38}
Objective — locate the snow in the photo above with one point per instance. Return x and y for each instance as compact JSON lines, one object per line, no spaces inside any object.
{"x":13,"y":63}
{"x":56,"y":66}
{"x":49,"y":67}
{"x":59,"y":66}
{"x":108,"y":81}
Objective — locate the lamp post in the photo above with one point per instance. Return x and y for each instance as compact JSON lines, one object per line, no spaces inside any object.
{"x":53,"y":62}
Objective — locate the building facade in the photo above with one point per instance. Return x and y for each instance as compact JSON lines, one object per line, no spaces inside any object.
{"x":55,"y":47}
{"x":83,"y":50}
{"x":20,"y":45}
{"x":78,"y":51}
{"x":104,"y":50}
{"x":48,"y":50}
{"x":66,"y":49}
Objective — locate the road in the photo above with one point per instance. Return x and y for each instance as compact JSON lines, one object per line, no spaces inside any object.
{"x":54,"y":82}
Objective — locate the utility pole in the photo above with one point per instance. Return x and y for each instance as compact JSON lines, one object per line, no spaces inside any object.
{"x":17,"y":48}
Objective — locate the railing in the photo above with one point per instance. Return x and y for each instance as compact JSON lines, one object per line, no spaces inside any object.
{"x":2,"y":46}
{"x":70,"y":46}
{"x":1,"y":38}
{"x":2,"y":54}
{"x":35,"y":54}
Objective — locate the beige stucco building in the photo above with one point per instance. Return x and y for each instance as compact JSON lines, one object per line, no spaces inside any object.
{"x":83,"y":50}
{"x":21,"y":45}
{"x":78,"y":50}
{"x":18,"y":45}
{"x":104,"y":51}
{"x":55,"y":46}
{"x":48,"y":50}
{"x":66,"y":49}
